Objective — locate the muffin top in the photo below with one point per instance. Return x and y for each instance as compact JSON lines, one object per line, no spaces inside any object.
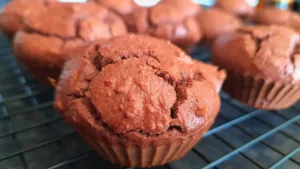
{"x":85,"y":21}
{"x":62,"y":27}
{"x":13,"y":14}
{"x":169,"y":19}
{"x":237,"y":7}
{"x":210,"y":72}
{"x":214,"y":22}
{"x":283,"y":17}
{"x":271,"y":52}
{"x":132,"y":87}
{"x":122,"y":7}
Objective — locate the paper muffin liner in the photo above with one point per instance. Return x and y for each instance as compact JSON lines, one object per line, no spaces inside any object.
{"x":261,"y":93}
{"x":141,"y":156}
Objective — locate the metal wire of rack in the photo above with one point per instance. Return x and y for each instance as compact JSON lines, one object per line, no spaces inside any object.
{"x":34,"y":136}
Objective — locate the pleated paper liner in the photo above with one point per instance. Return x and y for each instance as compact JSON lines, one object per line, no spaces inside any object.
{"x":137,"y":156}
{"x":261,"y":93}
{"x":116,"y":149}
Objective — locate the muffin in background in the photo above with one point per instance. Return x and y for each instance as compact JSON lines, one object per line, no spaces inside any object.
{"x":51,"y":35}
{"x":132,"y":104}
{"x":275,"y":16}
{"x":215,"y":22}
{"x":172,"y":20}
{"x":124,"y":8}
{"x":241,"y":8}
{"x":14,"y":13}
{"x":263,"y":65}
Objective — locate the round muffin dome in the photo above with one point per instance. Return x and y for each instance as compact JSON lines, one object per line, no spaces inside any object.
{"x":268,"y":51}
{"x":123,"y":8}
{"x":171,"y":20}
{"x":215,"y":22}
{"x":240,"y":8}
{"x":45,"y":42}
{"x":14,"y":13}
{"x":120,"y":7}
{"x":283,"y":17}
{"x":130,"y":95}
{"x":263,"y":65}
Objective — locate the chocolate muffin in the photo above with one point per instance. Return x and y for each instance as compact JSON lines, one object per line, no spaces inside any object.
{"x":13,"y":14}
{"x":46,"y":42}
{"x":282,"y":17}
{"x":239,"y":8}
{"x":263,"y":65}
{"x":210,"y":72}
{"x":132,"y":104}
{"x":214,"y":22}
{"x":172,"y":20}
{"x":123,"y":8}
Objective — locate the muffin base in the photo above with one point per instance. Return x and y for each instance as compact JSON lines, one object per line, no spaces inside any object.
{"x":138,"y":156}
{"x":261,"y":93}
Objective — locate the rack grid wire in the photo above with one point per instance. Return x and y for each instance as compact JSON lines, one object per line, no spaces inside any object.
{"x":34,"y":136}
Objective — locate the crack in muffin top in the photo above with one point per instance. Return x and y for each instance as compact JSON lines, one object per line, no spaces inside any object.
{"x":61,"y":28}
{"x":269,"y":51}
{"x":13,"y":14}
{"x":169,"y":19}
{"x":133,"y":85}
{"x":86,"y":21}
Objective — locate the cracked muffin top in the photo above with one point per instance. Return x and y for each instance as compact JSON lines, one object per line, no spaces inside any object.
{"x":84,"y":21}
{"x":172,"y":20}
{"x":131,"y":88}
{"x":123,"y":8}
{"x":120,"y":7}
{"x":13,"y":14}
{"x":272,"y":52}
{"x":237,"y":7}
{"x":71,"y":25}
{"x":214,"y":22}
{"x":283,"y":17}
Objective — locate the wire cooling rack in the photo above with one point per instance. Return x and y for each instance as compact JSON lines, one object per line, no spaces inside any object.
{"x":34,"y":136}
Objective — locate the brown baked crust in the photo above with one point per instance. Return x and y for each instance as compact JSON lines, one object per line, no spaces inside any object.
{"x":13,"y":14}
{"x":172,"y":20}
{"x":270,"y":52}
{"x":237,"y":7}
{"x":124,"y":9}
{"x":120,"y":7}
{"x":283,"y":17}
{"x":214,"y":22}
{"x":46,"y":42}
{"x":214,"y":74}
{"x":130,"y":91}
